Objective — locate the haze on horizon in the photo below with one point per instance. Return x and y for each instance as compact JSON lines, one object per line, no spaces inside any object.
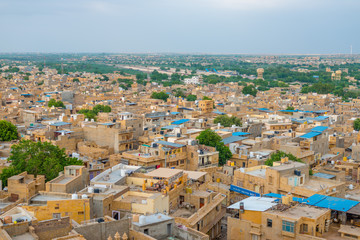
{"x":181,"y":26}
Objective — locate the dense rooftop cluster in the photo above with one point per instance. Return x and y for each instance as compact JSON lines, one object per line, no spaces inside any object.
{"x":179,"y":147}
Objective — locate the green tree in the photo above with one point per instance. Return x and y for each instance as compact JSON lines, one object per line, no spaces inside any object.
{"x":91,"y":114}
{"x":76,"y":80}
{"x":206,"y":98}
{"x":212,"y":139}
{"x":38,"y":158}
{"x":357,"y":124}
{"x":290,"y":108}
{"x":276,"y":157}
{"x":191,"y":97}
{"x":160,"y":95}
{"x":55,"y":103}
{"x":250,"y":89}
{"x":179,"y":93}
{"x":227,"y":121}
{"x":8,"y":131}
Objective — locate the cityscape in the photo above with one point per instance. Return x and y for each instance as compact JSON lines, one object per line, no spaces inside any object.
{"x":172,"y":139}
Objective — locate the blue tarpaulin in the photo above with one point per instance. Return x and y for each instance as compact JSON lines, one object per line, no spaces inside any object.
{"x":333,"y":203}
{"x":243,"y":191}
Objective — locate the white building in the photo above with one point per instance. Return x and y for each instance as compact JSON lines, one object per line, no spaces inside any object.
{"x":193,"y":80}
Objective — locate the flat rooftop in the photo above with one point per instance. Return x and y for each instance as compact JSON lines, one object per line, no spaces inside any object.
{"x":164,"y":173}
{"x":300,"y":211}
{"x":259,"y":204}
{"x":318,"y":184}
{"x":63,"y":180}
{"x":48,"y":197}
{"x":114,"y":174}
{"x":289,"y":165}
{"x":257,"y":173}
{"x":25,"y":236}
{"x":151,"y":219}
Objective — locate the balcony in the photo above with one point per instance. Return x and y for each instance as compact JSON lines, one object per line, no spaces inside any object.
{"x":255,"y":229}
{"x":207,"y":164}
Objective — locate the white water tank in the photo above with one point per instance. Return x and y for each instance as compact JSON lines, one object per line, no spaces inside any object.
{"x":90,"y":190}
{"x":122,"y":172}
{"x":84,"y":196}
{"x":142,"y":219}
{"x":351,"y":187}
{"x":74,"y":196}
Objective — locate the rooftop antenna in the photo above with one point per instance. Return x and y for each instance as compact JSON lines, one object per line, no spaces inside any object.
{"x":44,"y":62}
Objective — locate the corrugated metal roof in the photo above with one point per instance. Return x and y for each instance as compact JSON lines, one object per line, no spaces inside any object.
{"x":355,"y":210}
{"x":310,"y":135}
{"x":240,"y":133}
{"x":259,"y":204}
{"x":319,"y":129}
{"x":324,"y":175}
{"x":218,"y":112}
{"x":277,"y":195}
{"x":170,"y":144}
{"x":333,"y":203}
{"x":58,"y":124}
{"x":321,"y":118}
{"x":232,"y":139}
{"x":181,"y":121}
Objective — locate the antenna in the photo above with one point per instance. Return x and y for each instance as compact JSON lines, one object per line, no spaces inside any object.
{"x":44,"y":62}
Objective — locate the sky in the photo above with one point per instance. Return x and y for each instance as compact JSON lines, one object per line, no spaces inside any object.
{"x":181,"y":26}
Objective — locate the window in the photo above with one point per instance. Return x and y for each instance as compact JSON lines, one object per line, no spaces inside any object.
{"x":81,"y":213}
{"x":146,"y":231}
{"x":57,"y":206}
{"x":56,"y":215}
{"x":269,"y":223}
{"x":254,"y":237}
{"x":288,"y":226}
{"x":304,"y":228}
{"x":270,"y":180}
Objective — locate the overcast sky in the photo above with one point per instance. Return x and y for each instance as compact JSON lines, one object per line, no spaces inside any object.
{"x":182,"y":26}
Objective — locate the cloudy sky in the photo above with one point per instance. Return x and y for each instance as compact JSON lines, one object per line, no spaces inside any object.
{"x":182,"y":26}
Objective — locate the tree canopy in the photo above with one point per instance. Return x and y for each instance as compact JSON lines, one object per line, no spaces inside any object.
{"x":160,"y":95}
{"x":206,"y":98}
{"x":38,"y":158}
{"x":250,"y":89}
{"x":191,"y":97}
{"x":275,"y":157}
{"x":8,"y":131}
{"x":356,"y":124}
{"x":55,"y":103}
{"x":290,"y":108}
{"x":212,"y":139}
{"x":91,"y":114}
{"x":227,"y":121}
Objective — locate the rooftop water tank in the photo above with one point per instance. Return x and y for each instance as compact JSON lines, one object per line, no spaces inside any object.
{"x":90,"y":190}
{"x":142,"y":219}
{"x":74,"y":196}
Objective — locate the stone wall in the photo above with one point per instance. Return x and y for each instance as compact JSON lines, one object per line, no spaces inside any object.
{"x":100,"y":231}
{"x":52,"y":228}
